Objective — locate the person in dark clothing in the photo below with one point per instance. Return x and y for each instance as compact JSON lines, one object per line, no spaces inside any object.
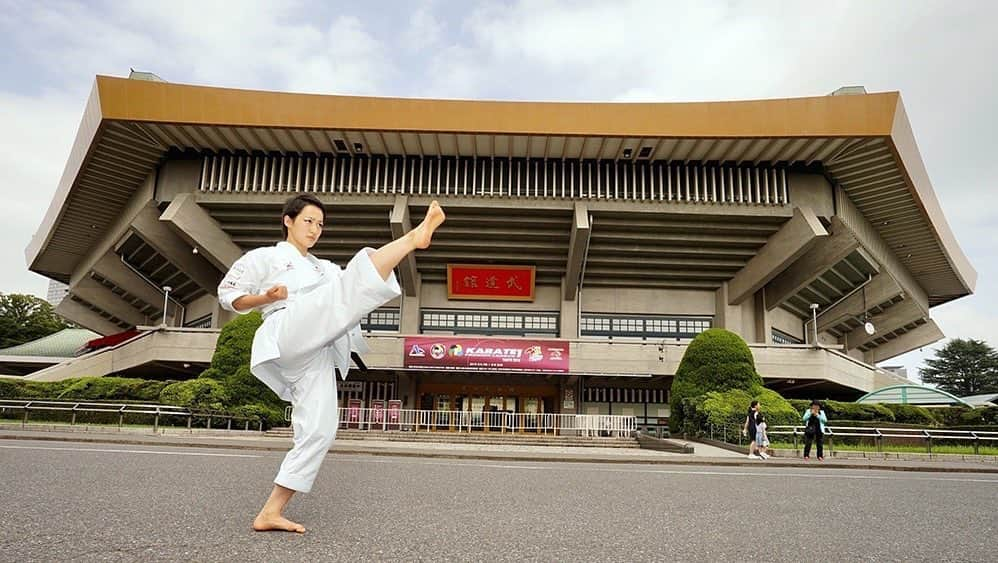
{"x":749,"y":430}
{"x":814,"y":430}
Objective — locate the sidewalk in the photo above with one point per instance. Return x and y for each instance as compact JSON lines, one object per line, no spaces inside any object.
{"x":703,"y":453}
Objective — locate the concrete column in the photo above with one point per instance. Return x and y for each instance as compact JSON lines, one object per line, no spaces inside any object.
{"x":409,"y":319}
{"x":220,"y":316}
{"x":110,"y":267}
{"x":785,"y":246}
{"x":83,"y":316}
{"x":569,"y":318}
{"x":578,"y":246}
{"x":881,"y":288}
{"x":822,"y":256}
{"x":912,"y":340}
{"x":763,"y":323}
{"x":116,"y":231}
{"x":178,"y":177}
{"x":158,"y":235}
{"x":892,"y":318}
{"x":193,"y":224}
{"x":90,"y":290}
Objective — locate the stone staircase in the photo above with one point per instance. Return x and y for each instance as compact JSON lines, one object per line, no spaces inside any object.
{"x":484,"y":438}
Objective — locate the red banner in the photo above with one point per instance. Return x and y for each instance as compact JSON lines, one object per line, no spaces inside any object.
{"x":482,"y":281}
{"x":486,"y":354}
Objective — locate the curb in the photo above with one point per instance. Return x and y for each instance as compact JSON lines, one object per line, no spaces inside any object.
{"x":512,"y":456}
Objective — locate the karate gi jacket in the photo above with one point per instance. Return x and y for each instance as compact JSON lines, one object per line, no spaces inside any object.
{"x":263,"y":268}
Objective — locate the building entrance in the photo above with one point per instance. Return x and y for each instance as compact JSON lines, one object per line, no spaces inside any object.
{"x":487,"y":408}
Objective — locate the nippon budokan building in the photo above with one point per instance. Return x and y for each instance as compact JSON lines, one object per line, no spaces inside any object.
{"x":585,"y":245}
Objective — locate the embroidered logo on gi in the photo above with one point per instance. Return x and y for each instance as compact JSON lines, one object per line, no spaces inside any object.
{"x":416,"y":352}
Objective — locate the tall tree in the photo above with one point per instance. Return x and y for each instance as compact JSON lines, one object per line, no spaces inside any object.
{"x":963,"y":367}
{"x":24,"y":318}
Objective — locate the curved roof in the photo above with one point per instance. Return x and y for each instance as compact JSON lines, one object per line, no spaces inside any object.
{"x":62,"y":344}
{"x":864,"y":142}
{"x":911,"y":395}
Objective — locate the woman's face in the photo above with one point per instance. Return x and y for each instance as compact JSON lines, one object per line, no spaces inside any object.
{"x":305,"y":229}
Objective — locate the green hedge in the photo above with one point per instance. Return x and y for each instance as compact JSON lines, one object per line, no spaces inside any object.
{"x":85,"y":388}
{"x":728,"y":408}
{"x":842,"y":411}
{"x":912,"y":414}
{"x":716,"y":360}
{"x":113,"y":389}
{"x":200,"y":394}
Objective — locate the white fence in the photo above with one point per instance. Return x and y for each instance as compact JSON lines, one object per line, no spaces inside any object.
{"x":411,"y":420}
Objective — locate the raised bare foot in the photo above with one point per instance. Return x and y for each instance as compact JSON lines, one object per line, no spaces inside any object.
{"x":278,"y":523}
{"x":422,"y":234}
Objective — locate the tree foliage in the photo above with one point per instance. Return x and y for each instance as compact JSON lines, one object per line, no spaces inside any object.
{"x":963,"y":367}
{"x":24,"y":318}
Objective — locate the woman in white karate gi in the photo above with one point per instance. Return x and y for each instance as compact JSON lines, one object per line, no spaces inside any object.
{"x":311,"y":321}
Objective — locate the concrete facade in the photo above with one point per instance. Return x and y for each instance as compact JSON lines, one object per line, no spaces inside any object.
{"x":737,"y":223}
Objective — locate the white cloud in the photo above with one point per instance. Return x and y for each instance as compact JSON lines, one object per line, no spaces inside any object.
{"x":424,"y":29}
{"x":34,"y":144}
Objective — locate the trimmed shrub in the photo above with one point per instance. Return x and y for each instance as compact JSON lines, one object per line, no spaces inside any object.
{"x":716,"y":360}
{"x":986,"y":416}
{"x":84,"y":388}
{"x":838,"y":410}
{"x":112,"y":389}
{"x":950,"y":416}
{"x":271,"y":415}
{"x":912,"y":414}
{"x":728,"y":408}
{"x":800,"y":405}
{"x":19,"y":389}
{"x":199,"y":394}
{"x":234,"y":345}
{"x":244,"y":388}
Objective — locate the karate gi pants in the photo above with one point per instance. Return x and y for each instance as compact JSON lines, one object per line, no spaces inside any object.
{"x":314,"y":420}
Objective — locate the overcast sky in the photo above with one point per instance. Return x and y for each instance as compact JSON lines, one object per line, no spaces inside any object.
{"x":941,"y":56}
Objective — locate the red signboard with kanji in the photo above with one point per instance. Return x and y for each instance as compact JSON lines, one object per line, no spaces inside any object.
{"x":497,"y":283}
{"x":486,"y":354}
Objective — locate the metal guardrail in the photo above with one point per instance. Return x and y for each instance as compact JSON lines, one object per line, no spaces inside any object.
{"x":593,"y":425}
{"x":879,"y":435}
{"x":156,"y":411}
{"x":733,"y":434}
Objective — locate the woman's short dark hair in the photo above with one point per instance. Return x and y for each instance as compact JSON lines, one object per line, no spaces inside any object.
{"x":753,"y":404}
{"x":815,"y":404}
{"x":294,"y":205}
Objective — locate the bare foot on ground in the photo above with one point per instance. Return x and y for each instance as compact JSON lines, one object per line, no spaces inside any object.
{"x":422,"y":234}
{"x":264,"y":523}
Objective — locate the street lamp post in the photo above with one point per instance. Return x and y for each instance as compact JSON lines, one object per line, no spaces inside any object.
{"x":166,"y":300}
{"x":814,"y":322}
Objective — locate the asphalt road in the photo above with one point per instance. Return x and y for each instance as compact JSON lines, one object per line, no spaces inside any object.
{"x":68,"y":501}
